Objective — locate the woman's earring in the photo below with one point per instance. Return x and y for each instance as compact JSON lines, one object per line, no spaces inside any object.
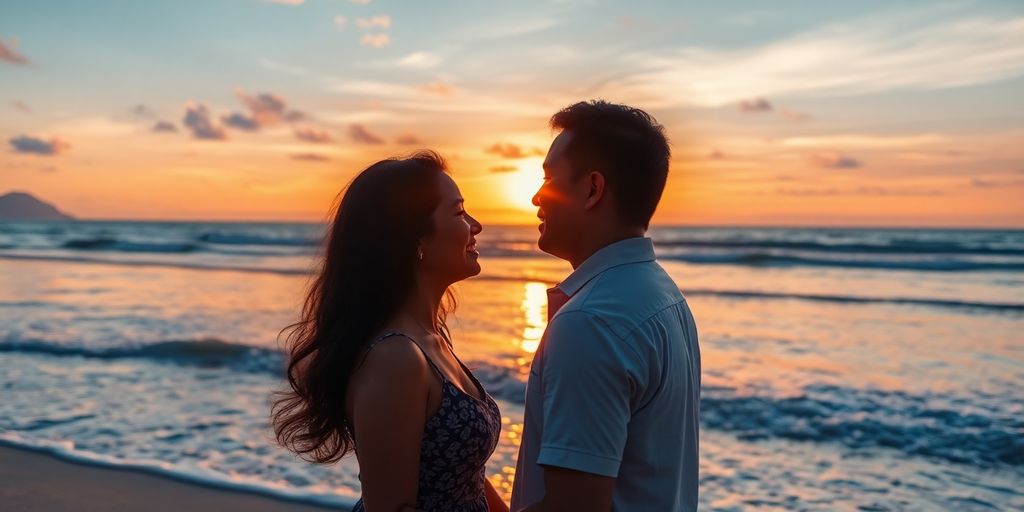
{"x":419,"y":254}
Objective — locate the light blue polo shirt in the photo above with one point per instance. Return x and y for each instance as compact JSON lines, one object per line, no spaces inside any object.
{"x":614,"y":389}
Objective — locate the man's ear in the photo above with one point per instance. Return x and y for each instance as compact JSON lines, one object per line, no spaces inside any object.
{"x":595,"y":190}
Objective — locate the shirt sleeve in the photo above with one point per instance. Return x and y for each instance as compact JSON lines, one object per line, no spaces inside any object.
{"x":589,"y":380}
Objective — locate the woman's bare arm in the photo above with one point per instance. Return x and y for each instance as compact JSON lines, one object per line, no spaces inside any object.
{"x":389,"y":410}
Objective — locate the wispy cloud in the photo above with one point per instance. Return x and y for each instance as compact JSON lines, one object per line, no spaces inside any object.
{"x":868,"y":55}
{"x":197,"y":119}
{"x":164,"y":127}
{"x":793,"y":115}
{"x":498,"y":169}
{"x":833,"y":161}
{"x":755,"y":105}
{"x":21,"y":106}
{"x":241,"y":122}
{"x":286,"y":2}
{"x":37,"y":145}
{"x":383,"y":21}
{"x":8,"y":53}
{"x":375,"y":40}
{"x":310,"y":157}
{"x":997,"y":183}
{"x":511,"y":151}
{"x":283,"y":68}
{"x":866,"y":140}
{"x":362,"y":135}
{"x":143,"y":111}
{"x":512,"y":28}
{"x":313,"y":135}
{"x":420,"y":60}
{"x":437,"y":88}
{"x":408,"y":139}
{"x":860,"y":191}
{"x":268,"y":109}
{"x":341,"y":22}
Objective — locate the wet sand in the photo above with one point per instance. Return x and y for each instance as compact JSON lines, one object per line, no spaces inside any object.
{"x":31,"y":481}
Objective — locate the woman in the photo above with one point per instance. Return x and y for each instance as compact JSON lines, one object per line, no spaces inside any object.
{"x":371,"y":365}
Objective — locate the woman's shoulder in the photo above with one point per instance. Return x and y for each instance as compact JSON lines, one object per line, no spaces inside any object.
{"x":394,"y":355}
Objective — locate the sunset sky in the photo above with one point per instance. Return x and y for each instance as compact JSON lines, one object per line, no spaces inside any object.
{"x":870,"y":113}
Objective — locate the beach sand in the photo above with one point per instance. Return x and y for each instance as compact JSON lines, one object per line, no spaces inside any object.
{"x":31,"y":481}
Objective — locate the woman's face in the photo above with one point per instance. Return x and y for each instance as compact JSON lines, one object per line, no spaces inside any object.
{"x":450,"y":253}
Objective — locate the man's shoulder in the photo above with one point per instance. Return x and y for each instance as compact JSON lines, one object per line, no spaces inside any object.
{"x":627,"y":295}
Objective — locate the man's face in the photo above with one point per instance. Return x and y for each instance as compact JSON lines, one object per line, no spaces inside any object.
{"x":559,"y":201}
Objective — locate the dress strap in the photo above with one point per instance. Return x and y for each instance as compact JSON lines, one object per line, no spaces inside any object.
{"x":417,"y":345}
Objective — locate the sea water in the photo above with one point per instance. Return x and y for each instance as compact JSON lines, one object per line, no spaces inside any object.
{"x":844,"y":369}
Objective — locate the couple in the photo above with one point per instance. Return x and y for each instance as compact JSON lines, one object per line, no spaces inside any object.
{"x":611,"y":418}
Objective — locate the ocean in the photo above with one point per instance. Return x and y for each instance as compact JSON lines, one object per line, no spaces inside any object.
{"x":844,"y":369}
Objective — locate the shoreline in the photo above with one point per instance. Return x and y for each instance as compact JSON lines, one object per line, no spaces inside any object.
{"x":32,"y":480}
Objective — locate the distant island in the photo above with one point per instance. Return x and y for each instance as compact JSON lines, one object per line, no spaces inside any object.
{"x":23,"y":206}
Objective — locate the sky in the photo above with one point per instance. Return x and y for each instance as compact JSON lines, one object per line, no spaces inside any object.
{"x":788,"y":113}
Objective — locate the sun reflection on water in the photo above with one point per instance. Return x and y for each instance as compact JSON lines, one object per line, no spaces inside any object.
{"x":535,"y":306}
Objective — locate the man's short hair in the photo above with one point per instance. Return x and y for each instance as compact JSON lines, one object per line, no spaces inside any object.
{"x":627,"y":145}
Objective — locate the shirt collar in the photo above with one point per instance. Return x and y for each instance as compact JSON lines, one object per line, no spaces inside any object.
{"x":623,"y":252}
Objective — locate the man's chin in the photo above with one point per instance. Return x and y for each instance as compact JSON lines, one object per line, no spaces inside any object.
{"x":544,"y":241}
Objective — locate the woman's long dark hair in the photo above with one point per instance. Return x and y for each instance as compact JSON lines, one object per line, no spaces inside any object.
{"x":368,"y":273}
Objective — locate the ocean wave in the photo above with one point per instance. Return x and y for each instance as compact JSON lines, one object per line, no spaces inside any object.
{"x":207,"y":352}
{"x":762,"y":259}
{"x":733,"y":294}
{"x":194,"y":474}
{"x":113,"y":244}
{"x":864,"y":418}
{"x":250,"y":239}
{"x":958,"y":429}
{"x":913,"y":247}
{"x":154,"y":263}
{"x":847,"y":299}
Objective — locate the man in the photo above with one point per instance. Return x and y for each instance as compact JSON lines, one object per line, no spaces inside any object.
{"x":613,"y":395}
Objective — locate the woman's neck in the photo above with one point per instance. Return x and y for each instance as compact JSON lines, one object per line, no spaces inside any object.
{"x":423,"y":305}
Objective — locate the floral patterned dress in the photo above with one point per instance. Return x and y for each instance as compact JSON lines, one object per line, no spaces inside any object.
{"x":457,"y":441}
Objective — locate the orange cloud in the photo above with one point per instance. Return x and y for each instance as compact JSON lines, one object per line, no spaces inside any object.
{"x":361,"y":135}
{"x":408,"y":139}
{"x":310,"y":157}
{"x":268,"y":108}
{"x":8,"y":53}
{"x":375,"y":40}
{"x":755,"y":105}
{"x":38,"y":146}
{"x":197,"y":119}
{"x":834,"y":161}
{"x":313,"y":135}
{"x":437,"y":88}
{"x":511,"y":151}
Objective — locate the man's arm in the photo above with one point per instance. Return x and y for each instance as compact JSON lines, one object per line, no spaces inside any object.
{"x":589,"y":379}
{"x":567,"y":489}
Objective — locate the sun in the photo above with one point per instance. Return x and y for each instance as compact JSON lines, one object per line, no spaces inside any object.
{"x":520,"y":185}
